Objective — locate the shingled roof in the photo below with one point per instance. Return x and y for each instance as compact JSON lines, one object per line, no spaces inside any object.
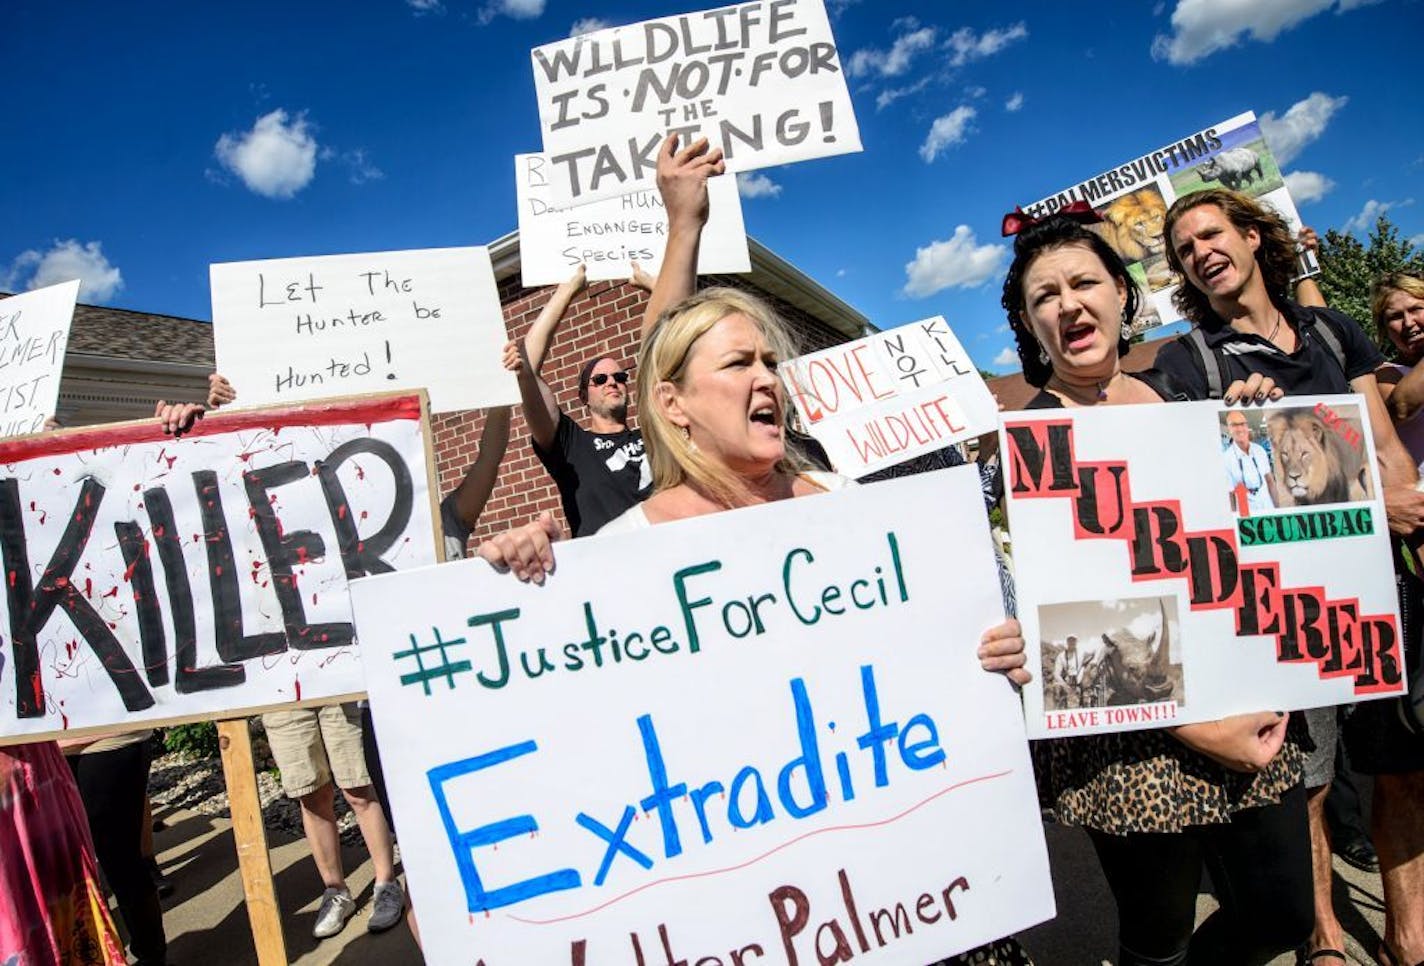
{"x":121,"y":333}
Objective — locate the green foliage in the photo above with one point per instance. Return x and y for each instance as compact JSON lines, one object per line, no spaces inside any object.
{"x":1348,"y":267}
{"x":199,"y":740}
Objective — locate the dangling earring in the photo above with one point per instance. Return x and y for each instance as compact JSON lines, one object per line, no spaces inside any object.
{"x":1126,"y":326}
{"x":1042,"y":355}
{"x":687,"y":439}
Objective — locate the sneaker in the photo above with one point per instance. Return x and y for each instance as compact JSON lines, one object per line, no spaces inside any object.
{"x":337,"y":906}
{"x":387,"y":906}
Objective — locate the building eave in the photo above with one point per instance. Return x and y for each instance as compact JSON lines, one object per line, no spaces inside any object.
{"x":770,"y":272}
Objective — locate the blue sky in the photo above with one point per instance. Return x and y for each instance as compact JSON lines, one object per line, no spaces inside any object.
{"x":146,"y":140}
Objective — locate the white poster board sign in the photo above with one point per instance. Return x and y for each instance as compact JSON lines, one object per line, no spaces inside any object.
{"x":154,"y":578}
{"x":1133,"y":199}
{"x":762,"y":80}
{"x":1203,"y":561}
{"x":607,"y":235}
{"x":754,"y":723}
{"x":890,"y":397}
{"x":34,"y":328}
{"x":291,"y":329}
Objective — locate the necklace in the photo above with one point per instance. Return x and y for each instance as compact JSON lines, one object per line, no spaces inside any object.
{"x":1271,"y":337}
{"x":1072,"y":392}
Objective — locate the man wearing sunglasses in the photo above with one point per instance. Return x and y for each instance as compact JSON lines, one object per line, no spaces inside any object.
{"x":600,"y":471}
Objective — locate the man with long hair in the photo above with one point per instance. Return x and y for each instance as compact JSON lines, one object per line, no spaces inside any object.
{"x":1236,"y":259}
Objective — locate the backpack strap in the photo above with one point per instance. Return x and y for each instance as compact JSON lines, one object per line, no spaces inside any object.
{"x":1208,"y":361}
{"x":1325,"y":328}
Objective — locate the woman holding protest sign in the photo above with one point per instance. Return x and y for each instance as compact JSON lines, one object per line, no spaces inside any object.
{"x":1385,"y":739}
{"x":713,"y":413}
{"x":1157,"y":804}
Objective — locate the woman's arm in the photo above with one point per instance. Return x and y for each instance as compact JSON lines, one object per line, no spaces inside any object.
{"x":682,"y":182}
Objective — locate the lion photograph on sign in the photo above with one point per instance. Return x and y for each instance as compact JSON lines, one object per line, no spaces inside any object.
{"x":1111,"y":653}
{"x":1297,"y":456}
{"x":1132,"y":225}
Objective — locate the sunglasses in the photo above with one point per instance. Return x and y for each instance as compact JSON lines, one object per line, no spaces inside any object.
{"x":599,"y":378}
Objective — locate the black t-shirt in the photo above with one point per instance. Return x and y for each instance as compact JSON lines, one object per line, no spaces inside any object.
{"x":599,"y":475}
{"x":1311,"y":370}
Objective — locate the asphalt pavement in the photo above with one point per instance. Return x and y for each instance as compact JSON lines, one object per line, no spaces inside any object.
{"x":207,"y":921}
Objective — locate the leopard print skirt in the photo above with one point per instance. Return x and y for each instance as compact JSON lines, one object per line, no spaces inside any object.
{"x":1148,"y":781}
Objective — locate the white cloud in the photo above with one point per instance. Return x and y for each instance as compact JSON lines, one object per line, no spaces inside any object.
{"x":588,"y":25}
{"x":754,"y":184}
{"x":1202,"y":27}
{"x":892,"y":94}
{"x":968,"y":46}
{"x":1303,"y":122}
{"x":896,"y":60}
{"x":946,"y":132}
{"x":514,"y":9}
{"x":276,"y":159}
{"x":1308,"y":186}
{"x":1008,"y":357}
{"x":1015,"y":102}
{"x":1365,"y":220}
{"x":360,"y":167}
{"x":1418,"y":240}
{"x":65,"y":261}
{"x":958,"y":262}
{"x":426,"y":6}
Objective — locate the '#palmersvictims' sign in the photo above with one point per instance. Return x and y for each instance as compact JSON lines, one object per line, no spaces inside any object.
{"x":763,"y":736}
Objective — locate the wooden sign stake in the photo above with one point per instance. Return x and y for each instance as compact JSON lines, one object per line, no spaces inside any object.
{"x":251,"y":838}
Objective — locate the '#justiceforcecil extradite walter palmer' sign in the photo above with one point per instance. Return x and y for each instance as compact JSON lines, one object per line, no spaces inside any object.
{"x":761,"y":737}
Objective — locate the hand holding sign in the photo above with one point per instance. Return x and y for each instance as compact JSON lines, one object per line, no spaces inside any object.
{"x":682,"y":180}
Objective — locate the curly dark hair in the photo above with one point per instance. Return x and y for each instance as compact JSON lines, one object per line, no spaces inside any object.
{"x":1275,"y":256}
{"x":1053,"y":232}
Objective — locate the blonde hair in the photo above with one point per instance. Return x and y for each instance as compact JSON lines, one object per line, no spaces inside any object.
{"x":664,"y":358}
{"x":1387,"y":285}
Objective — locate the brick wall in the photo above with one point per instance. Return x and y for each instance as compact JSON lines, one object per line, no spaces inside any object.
{"x":603,"y":320}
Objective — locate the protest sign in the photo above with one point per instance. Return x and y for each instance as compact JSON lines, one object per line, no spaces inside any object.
{"x":1133,"y":199}
{"x":1169,"y":569}
{"x":607,"y":235}
{"x":34,"y":328}
{"x":291,"y":329}
{"x":890,"y":397}
{"x":151,"y":578}
{"x":762,"y":80}
{"x":761,"y":733}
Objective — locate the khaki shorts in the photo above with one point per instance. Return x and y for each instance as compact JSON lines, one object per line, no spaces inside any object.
{"x":313,"y":746}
